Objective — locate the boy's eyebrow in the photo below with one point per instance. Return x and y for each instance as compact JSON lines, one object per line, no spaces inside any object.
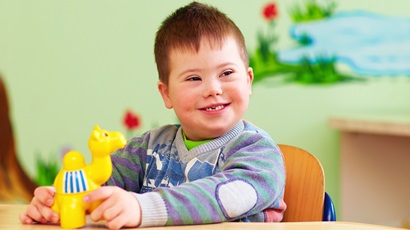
{"x":199,"y":69}
{"x":188,"y":71}
{"x":227,"y":64}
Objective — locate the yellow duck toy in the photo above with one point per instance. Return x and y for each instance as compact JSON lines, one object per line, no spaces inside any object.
{"x":77,"y":179}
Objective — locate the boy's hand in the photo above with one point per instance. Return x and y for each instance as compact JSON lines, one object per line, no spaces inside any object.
{"x":119,"y":208}
{"x":39,"y":209}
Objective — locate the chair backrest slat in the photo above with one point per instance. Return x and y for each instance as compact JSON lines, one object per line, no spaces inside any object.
{"x":305,"y":185}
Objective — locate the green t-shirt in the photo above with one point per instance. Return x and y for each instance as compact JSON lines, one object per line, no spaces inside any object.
{"x":192,"y":144}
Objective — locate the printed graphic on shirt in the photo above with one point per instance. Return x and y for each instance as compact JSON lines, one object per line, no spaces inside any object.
{"x":75,"y":182}
{"x":162,"y":170}
{"x":166,"y":170}
{"x":196,"y":169}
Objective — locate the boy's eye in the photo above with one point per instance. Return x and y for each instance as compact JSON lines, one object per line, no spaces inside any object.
{"x":194,"y":79}
{"x":227,"y":73}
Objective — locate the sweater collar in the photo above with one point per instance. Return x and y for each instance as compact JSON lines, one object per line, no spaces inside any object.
{"x":186,"y":155}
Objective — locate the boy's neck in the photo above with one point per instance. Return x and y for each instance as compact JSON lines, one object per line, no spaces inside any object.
{"x":192,"y":144}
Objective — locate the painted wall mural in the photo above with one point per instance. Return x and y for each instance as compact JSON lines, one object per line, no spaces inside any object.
{"x":369,"y":44}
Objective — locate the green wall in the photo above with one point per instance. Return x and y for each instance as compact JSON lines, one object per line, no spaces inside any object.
{"x":71,"y":64}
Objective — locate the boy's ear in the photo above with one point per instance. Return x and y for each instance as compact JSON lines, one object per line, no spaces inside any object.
{"x":250,"y":79}
{"x":163,"y":90}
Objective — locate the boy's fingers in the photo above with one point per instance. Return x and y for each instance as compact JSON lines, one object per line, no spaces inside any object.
{"x":48,"y":214}
{"x":98,"y":194}
{"x":25,"y":219}
{"x":111,"y":212}
{"x":34,"y":214}
{"x":40,"y":208}
{"x":99,"y":212}
{"x":40,"y":212}
{"x":102,"y":194}
{"x":37,"y":209}
{"x":45,"y":195}
{"x":116,"y":223}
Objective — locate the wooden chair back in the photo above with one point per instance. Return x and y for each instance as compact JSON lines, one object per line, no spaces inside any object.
{"x":305,"y":185}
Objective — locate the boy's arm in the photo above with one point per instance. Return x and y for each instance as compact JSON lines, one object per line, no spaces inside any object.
{"x":129,"y":162}
{"x":134,"y":169}
{"x":251,"y":180}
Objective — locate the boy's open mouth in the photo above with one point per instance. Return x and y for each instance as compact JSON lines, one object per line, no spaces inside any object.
{"x":215,"y":108}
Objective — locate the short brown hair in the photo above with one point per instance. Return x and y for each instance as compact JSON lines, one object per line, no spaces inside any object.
{"x":185,"y":28}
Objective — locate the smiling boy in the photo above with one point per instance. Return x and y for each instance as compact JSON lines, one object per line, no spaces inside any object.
{"x":208,"y":89}
{"x":213,"y":166}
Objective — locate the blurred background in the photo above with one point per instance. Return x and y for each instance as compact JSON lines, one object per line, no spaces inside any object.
{"x":68,"y":65}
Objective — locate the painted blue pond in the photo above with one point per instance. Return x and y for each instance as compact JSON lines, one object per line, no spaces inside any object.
{"x":369,"y":43}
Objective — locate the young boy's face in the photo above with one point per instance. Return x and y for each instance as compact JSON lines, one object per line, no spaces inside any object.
{"x":209,"y":90}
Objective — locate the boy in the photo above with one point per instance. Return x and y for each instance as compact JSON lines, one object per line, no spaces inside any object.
{"x":214,"y":166}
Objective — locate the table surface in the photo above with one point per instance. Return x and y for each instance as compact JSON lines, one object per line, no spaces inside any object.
{"x":9,"y":220}
{"x":388,"y":124}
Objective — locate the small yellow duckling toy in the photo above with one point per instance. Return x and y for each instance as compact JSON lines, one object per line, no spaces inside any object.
{"x":77,"y":178}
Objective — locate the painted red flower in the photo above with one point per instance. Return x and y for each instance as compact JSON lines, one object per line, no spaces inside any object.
{"x":131,"y":120}
{"x":270,"y":11}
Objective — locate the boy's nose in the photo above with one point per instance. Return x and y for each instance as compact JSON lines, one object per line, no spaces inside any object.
{"x":213,"y":88}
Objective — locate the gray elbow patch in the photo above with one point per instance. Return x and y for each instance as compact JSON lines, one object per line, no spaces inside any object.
{"x":236,"y":197}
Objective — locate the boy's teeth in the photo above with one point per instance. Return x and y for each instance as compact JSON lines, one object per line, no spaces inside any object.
{"x":219,"y":107}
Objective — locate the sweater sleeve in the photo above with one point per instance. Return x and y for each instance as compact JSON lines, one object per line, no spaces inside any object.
{"x":252,"y":179}
{"x":129,"y":165}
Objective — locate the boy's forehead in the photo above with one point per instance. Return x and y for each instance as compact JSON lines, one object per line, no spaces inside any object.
{"x":209,"y":55}
{"x":206,"y":42}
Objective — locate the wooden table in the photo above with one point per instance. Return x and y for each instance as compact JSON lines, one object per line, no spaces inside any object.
{"x":375,"y":159}
{"x":9,"y":220}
